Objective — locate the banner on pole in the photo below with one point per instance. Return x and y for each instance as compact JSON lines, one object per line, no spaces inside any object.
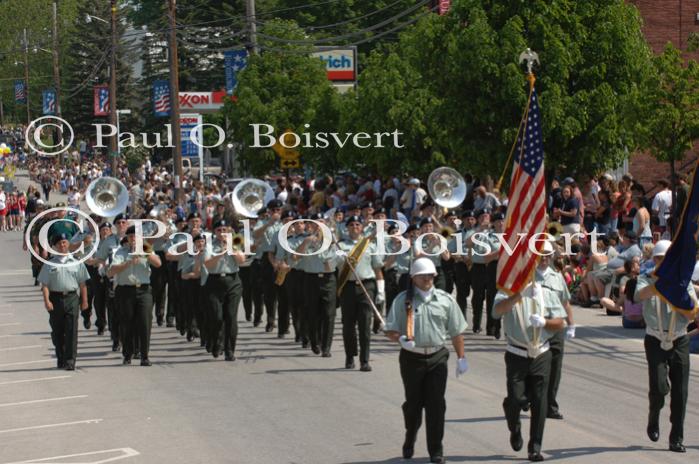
{"x":48,"y":102}
{"x":101,"y":100}
{"x":234,"y":61}
{"x":161,"y":98}
{"x":20,"y":92}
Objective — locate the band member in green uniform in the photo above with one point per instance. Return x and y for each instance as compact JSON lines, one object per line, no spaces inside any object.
{"x":60,"y":286}
{"x":132,"y":273}
{"x":264,"y":236}
{"x":423,"y":319}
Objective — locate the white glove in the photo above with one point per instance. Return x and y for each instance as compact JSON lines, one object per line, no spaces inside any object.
{"x":341,"y":253}
{"x":570,"y":332}
{"x":461,"y":366}
{"x":537,"y":321}
{"x":405,"y":343}
{"x":533,"y":290}
{"x":380,"y":292}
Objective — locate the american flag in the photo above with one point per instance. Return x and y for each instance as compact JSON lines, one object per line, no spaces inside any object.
{"x":161,"y":98}
{"x":526,"y":213}
{"x":101,"y":100}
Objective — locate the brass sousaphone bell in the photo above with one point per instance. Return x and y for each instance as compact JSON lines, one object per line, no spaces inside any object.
{"x":250,"y":195}
{"x":107,"y":196}
{"x":446,"y":187}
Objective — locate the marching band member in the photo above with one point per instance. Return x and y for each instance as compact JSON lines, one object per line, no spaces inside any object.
{"x":484,"y":264}
{"x":265,"y":233}
{"x":431,"y":245}
{"x":65,"y":294}
{"x":225,"y":291}
{"x":667,"y":354}
{"x":319,"y":289}
{"x":133,"y":296}
{"x":531,"y":318}
{"x":173,"y":280}
{"x":191,"y":274}
{"x":463,"y":263}
{"x":257,"y":282}
{"x":422,"y":319}
{"x":105,"y":253}
{"x":356,"y":307}
{"x":281,"y":263}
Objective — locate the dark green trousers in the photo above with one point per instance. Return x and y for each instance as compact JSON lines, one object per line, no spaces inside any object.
{"x":136,"y":316}
{"x":462,"y":281}
{"x":672,"y":365}
{"x":158,"y":283}
{"x":293,"y":286}
{"x":258,"y":292}
{"x":425,"y":383}
{"x":527,"y":381}
{"x":192,"y":309}
{"x":270,"y":290}
{"x":319,"y":308}
{"x":224,"y":294}
{"x":483,"y":280}
{"x":357,"y":313}
{"x":246,"y":280}
{"x":557,"y":345}
{"x":64,"y":325}
{"x":173,"y":293}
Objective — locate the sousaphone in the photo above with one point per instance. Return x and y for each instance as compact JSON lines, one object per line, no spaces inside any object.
{"x":250,"y":195}
{"x":446,"y":187}
{"x":107,"y":196}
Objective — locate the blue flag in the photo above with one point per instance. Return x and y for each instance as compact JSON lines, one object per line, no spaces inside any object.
{"x":49,"y":102}
{"x":161,"y":98}
{"x":674,"y":273}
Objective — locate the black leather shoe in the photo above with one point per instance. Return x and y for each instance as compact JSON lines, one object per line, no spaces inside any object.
{"x":160,"y":322}
{"x":315,"y":350}
{"x":146,"y":362}
{"x":70,"y":365}
{"x":349,"y":362}
{"x":297,"y":339}
{"x":526,"y":406}
{"x":554,"y":415}
{"x":653,"y":430}
{"x":189,"y":336}
{"x":60,"y":364}
{"x":100,"y":331}
{"x":365,"y":367}
{"x":477,"y":330}
{"x":268,"y":327}
{"x":126,"y":361}
{"x":497,"y":334}
{"x":516,"y":441}
{"x":230,"y":357}
{"x":326,"y":354}
{"x":115,"y":346}
{"x":137,"y":355}
{"x":215,"y":352}
{"x":677,"y":447}
{"x":281,"y":335}
{"x":170,"y":322}
{"x":535,"y":457}
{"x":304,"y":344}
{"x":87,"y":324}
{"x":408,"y":451}
{"x":256,"y":323}
{"x":438,"y":459}
{"x":248,"y":318}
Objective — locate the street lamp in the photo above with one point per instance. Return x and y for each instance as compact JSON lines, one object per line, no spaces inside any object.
{"x":118,"y":112}
{"x":89,"y":18}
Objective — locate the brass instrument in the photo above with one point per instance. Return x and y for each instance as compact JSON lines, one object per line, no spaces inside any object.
{"x":281,"y":275}
{"x":446,"y":232}
{"x":250,"y":195}
{"x":107,"y":196}
{"x":554,"y":228}
{"x":238,"y":242}
{"x":351,"y":261}
{"x":446,"y":187}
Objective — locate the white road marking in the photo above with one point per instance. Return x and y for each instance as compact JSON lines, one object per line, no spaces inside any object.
{"x":9,"y":324}
{"x":25,"y":347}
{"x":46,"y":426}
{"x":125,"y":453}
{"x":45,"y":400}
{"x":40,"y":379}
{"x":5,"y":336}
{"x":27,"y":362}
{"x":7,"y":314}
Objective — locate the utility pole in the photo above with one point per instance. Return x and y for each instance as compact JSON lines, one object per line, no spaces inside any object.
{"x":114,"y":141}
{"x":56,"y":72}
{"x":26,"y":75}
{"x":252,"y":26}
{"x":175,"y":102}
{"x":2,"y":113}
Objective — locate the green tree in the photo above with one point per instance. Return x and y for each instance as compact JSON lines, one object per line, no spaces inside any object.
{"x":667,"y":120}
{"x":459,"y":76}
{"x":283,"y":88}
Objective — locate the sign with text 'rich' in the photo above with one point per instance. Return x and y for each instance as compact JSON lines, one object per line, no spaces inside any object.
{"x":340,"y":63}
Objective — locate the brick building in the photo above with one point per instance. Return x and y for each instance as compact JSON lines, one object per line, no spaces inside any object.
{"x":665,"y":21}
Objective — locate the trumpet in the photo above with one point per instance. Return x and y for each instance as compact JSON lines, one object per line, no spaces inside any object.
{"x":238,"y":242}
{"x":446,"y":232}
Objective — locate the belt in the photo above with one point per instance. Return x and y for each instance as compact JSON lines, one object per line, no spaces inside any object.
{"x":69,"y":293}
{"x":221,"y":276}
{"x":135,"y":286}
{"x":364,"y":281}
{"x":321,"y":275}
{"x":424,"y":350}
{"x":663,"y":335}
{"x":523,"y":352}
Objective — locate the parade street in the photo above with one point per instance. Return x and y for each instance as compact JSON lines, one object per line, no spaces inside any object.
{"x":280,"y":404}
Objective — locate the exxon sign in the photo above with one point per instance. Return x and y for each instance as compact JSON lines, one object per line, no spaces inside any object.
{"x":202,"y":102}
{"x":340,"y":63}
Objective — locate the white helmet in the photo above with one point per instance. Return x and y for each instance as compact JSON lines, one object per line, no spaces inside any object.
{"x":661,"y":247}
{"x":422,"y":266}
{"x":546,"y":248}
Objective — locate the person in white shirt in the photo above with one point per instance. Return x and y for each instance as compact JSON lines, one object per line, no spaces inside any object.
{"x":662,"y":203}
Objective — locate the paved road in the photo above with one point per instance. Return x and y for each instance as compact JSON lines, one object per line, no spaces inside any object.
{"x":280,"y":404}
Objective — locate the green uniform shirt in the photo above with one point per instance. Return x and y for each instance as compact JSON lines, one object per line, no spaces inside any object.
{"x":283,"y":255}
{"x":367,"y":263}
{"x":108,"y":247}
{"x":226,"y":265}
{"x":186,"y":263}
{"x":555,"y":293}
{"x":485,"y":236}
{"x":63,"y":278}
{"x":650,"y":313}
{"x":436,"y":319}
{"x":320,"y":263}
{"x":404,"y":260}
{"x":134,"y":274}
{"x":204,"y":271}
{"x":269,"y":238}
